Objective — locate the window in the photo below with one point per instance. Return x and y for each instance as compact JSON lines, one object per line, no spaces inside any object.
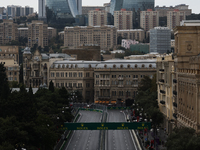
{"x":80,"y":74}
{"x":66,"y":85}
{"x":66,"y":74}
{"x":97,"y":93}
{"x":15,"y":73}
{"x":97,"y":76}
{"x":57,"y":74}
{"x":70,"y":74}
{"x":80,"y":85}
{"x":62,"y":74}
{"x":114,"y":93}
{"x":62,"y":84}
{"x":75,"y":74}
{"x":70,"y":85}
{"x":57,"y":85}
{"x":120,"y":93}
{"x":74,"y":84}
{"x":113,"y":76}
{"x":52,"y":74}
{"x":97,"y":82}
{"x":87,"y":74}
{"x":87,"y":85}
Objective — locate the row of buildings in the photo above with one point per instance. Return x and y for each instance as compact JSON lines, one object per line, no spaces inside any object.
{"x":36,"y":32}
{"x":13,"y":11}
{"x":178,"y":80}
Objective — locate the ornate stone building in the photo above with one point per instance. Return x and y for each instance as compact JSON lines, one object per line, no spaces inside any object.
{"x":187,"y":50}
{"x":117,"y":80}
{"x":165,"y":86}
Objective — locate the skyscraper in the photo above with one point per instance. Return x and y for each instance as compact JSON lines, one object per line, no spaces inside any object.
{"x":42,"y":10}
{"x":65,"y":8}
{"x":133,"y":5}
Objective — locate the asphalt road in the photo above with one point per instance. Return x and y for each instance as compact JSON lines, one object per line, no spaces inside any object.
{"x":118,"y":139}
{"x":86,"y":139}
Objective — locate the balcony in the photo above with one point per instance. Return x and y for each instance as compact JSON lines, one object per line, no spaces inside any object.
{"x":120,"y":85}
{"x":161,"y":70}
{"x":162,"y":102}
{"x":175,"y":92}
{"x":120,"y":78}
{"x":162,"y":91}
{"x":161,"y":80}
{"x":175,"y":115}
{"x":175,"y":104}
{"x":174,"y":81}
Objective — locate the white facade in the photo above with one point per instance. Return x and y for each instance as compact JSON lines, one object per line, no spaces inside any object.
{"x":126,"y":43}
{"x":41,"y":9}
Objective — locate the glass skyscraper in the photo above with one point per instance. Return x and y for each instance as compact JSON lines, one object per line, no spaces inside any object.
{"x":133,"y":5}
{"x":65,"y":8}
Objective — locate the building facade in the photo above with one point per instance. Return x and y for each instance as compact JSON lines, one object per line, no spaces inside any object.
{"x":123,"y":19}
{"x":99,"y":17}
{"x":8,"y":32}
{"x":23,"y":32}
{"x":52,"y":32}
{"x":104,"y":36}
{"x":149,"y":19}
{"x":117,"y":80}
{"x":186,"y":59}
{"x":65,"y":9}
{"x":165,"y":87}
{"x":37,"y":34}
{"x":133,"y":34}
{"x":160,"y":40}
{"x":174,"y":18}
{"x":75,"y":76}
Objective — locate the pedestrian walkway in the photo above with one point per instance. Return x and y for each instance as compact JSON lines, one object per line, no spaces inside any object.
{"x":156,"y":141}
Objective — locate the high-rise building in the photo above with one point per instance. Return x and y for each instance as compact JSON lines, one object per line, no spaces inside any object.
{"x":99,"y":17}
{"x":28,"y":10}
{"x":65,"y":8}
{"x":41,"y":9}
{"x":133,"y":5}
{"x":37,"y":34}
{"x":123,"y":19}
{"x":160,"y":40}
{"x":174,"y":18}
{"x":149,"y":19}
{"x":104,"y":36}
{"x":8,"y":32}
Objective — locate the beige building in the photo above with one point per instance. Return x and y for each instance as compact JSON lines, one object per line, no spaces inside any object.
{"x":10,"y":52}
{"x":23,"y":32}
{"x":8,"y":32}
{"x":74,"y":76}
{"x":9,"y":55}
{"x":174,"y":18}
{"x":104,"y":36}
{"x":182,"y":7}
{"x":52,"y":32}
{"x":165,"y":86}
{"x":97,"y":17}
{"x":149,"y":19}
{"x":123,"y":19}
{"x":186,"y":93}
{"x":86,"y":9}
{"x":117,"y":80}
{"x":133,"y":34}
{"x":37,"y":34}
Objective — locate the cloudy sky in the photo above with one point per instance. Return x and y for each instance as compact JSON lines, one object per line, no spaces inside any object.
{"x":193,"y":4}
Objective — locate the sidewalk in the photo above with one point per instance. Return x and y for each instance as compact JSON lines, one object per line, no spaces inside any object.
{"x":160,"y":139}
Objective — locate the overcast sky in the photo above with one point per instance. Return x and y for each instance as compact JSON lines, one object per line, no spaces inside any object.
{"x":193,"y":4}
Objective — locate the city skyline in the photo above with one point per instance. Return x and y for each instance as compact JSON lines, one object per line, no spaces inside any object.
{"x":193,"y":4}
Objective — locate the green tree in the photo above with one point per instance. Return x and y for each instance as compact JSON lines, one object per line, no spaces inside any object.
{"x":51,"y":86}
{"x":183,"y":139}
{"x":4,"y":86}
